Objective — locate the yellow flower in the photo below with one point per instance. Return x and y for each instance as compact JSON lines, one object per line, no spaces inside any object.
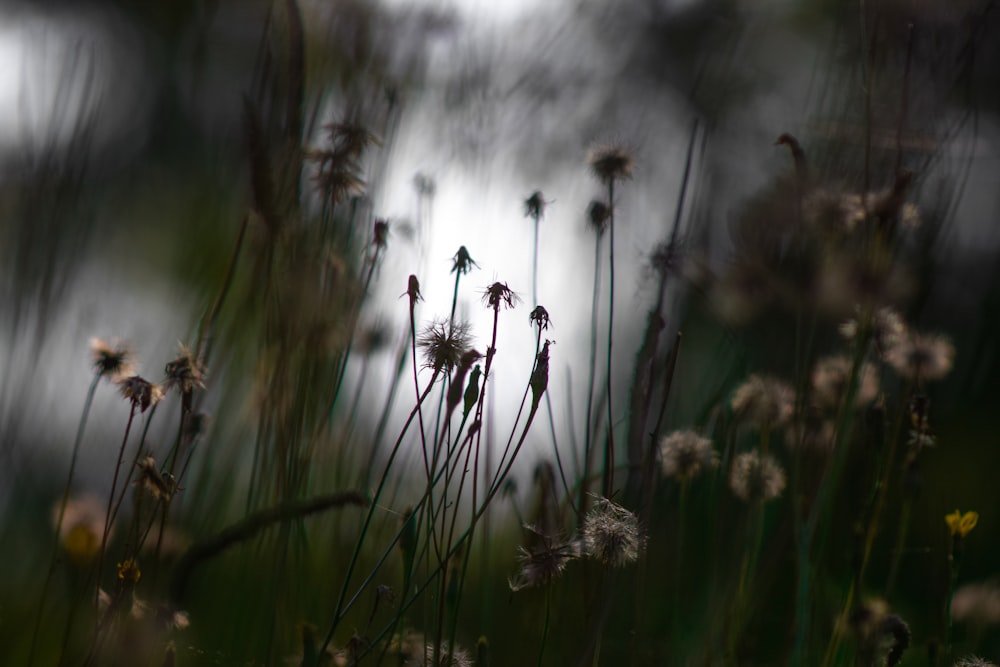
{"x":128,"y":571}
{"x":960,"y":524}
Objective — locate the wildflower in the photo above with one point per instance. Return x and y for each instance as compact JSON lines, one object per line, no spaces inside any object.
{"x":756,"y":477}
{"x":830,"y":378}
{"x":764,"y":401}
{"x":598,"y":215}
{"x":185,"y":372}
{"x":141,"y":393}
{"x":534,"y":206}
{"x":462,"y":261}
{"x":922,"y":357}
{"x":611,"y":534}
{"x":540,"y":316}
{"x":82,"y":528}
{"x":444,"y":344}
{"x":685,"y":454}
{"x":544,"y":562}
{"x":129,"y":572}
{"x":111,"y":361}
{"x":977,"y":603}
{"x":960,"y":524}
{"x":610,"y":162}
{"x":499,"y":294}
{"x":159,"y":485}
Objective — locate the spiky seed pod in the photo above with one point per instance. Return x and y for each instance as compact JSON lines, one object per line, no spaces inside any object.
{"x":112,"y":361}
{"x":610,"y":162}
{"x":611,"y":534}
{"x":540,"y":317}
{"x":598,"y":216}
{"x":462,"y":262}
{"x":498,"y":294}
{"x":534,"y":206}
{"x":141,"y":393}
{"x":458,"y":380}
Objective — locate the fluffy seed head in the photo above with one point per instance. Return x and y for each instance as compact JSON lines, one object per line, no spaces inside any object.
{"x":685,"y":454}
{"x":610,"y":162}
{"x":611,"y":534}
{"x":922,"y":356}
{"x":756,"y":477}
{"x":444,"y":344}
{"x":499,"y":294}
{"x":113,"y":361}
{"x":977,"y":604}
{"x":764,"y":402}
{"x":542,"y":563}
{"x":185,"y":372}
{"x":141,"y":393}
{"x":831,"y":376}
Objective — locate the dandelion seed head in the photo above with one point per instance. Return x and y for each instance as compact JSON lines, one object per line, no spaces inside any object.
{"x":185,"y":372}
{"x":610,"y":162}
{"x":977,"y":603}
{"x":498,"y":294}
{"x":974,"y":661}
{"x":685,"y":454}
{"x":756,"y":477}
{"x":598,"y":216}
{"x":830,"y":378}
{"x":534,"y":205}
{"x":542,"y":563}
{"x":611,"y":534}
{"x":462,"y":262}
{"x":444,"y":344}
{"x":922,"y":356}
{"x":764,"y":401}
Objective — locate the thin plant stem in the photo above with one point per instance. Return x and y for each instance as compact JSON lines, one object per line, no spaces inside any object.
{"x":111,"y":498}
{"x":545,"y":626}
{"x":88,"y":401}
{"x":588,"y":425}
{"x":610,"y":469}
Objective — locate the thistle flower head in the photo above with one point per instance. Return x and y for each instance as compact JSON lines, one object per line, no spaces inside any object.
{"x":534,"y":206}
{"x":830,"y":378}
{"x":922,"y":356}
{"x":611,"y":534}
{"x":499,"y":294}
{"x":444,"y":344}
{"x":540,"y":317}
{"x":112,"y":361}
{"x":185,"y":372}
{"x":462,"y":262}
{"x":756,"y":477}
{"x":764,"y":401}
{"x":598,"y":216}
{"x":141,"y":393}
{"x":544,"y":562}
{"x":684,"y":454}
{"x":610,"y":162}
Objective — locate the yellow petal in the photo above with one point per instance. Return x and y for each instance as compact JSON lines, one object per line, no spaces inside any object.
{"x":954,"y":520}
{"x":969,"y":521}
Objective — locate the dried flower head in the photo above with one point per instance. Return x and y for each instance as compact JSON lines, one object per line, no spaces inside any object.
{"x":598,"y":216}
{"x":534,"y":206}
{"x":112,"y":361}
{"x":539,"y":380}
{"x":977,"y":603}
{"x":882,"y":637}
{"x":141,"y":393}
{"x":82,"y":528}
{"x":543,"y":562}
{"x":764,"y":401}
{"x":974,"y":661}
{"x":960,"y":524}
{"x":540,"y":317}
{"x":888,"y":328}
{"x":922,"y":356}
{"x":610,"y":162}
{"x":160,"y":485}
{"x":185,"y":373}
{"x":499,"y":294}
{"x":444,"y":344}
{"x":350,"y":139}
{"x":685,"y":454}
{"x":380,"y":233}
{"x":830,"y":379}
{"x":756,"y":477}
{"x":611,"y":534}
{"x":462,"y":262}
{"x":412,"y":290}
